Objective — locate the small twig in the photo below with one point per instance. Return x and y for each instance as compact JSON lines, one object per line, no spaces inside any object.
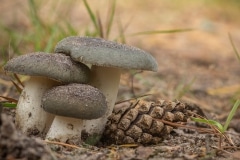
{"x":231,"y":147}
{"x":220,"y":142}
{"x":19,"y":89}
{"x":230,"y":133}
{"x":220,"y":149}
{"x":132,"y":145}
{"x":9,"y":99}
{"x":63,"y":144}
{"x":18,"y":79}
{"x":203,"y":130}
{"x":122,"y":101}
{"x":229,"y":140}
{"x":129,"y":145}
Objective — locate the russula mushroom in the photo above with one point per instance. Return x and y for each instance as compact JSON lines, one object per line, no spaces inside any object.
{"x":72,"y":103}
{"x":46,"y":71}
{"x":108,"y":59}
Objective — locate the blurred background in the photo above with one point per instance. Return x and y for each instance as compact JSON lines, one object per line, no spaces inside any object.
{"x":26,"y":21}
{"x":189,"y":39}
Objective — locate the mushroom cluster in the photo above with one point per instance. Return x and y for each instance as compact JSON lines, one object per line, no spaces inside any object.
{"x":65,"y":98}
{"x":46,"y":71}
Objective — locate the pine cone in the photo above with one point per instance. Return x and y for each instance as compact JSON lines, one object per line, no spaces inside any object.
{"x":139,"y":121}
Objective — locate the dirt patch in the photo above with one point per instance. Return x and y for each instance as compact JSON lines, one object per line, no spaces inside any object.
{"x":14,"y":145}
{"x":181,"y":143}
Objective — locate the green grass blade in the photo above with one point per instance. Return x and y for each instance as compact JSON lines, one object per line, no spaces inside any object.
{"x":51,"y":39}
{"x":100,"y":27}
{"x":233,"y":46}
{"x":199,"y":120}
{"x":14,"y":38}
{"x":217,"y":124}
{"x":231,"y":114}
{"x":160,"y":32}
{"x":9,"y":105}
{"x":122,"y":29}
{"x":33,"y":13}
{"x":209,"y":122}
{"x":121,"y":32}
{"x":91,"y":14}
{"x":111,"y":14}
{"x":70,"y":30}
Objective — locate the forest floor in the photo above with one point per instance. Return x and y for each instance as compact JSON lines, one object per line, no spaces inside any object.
{"x":198,"y":67}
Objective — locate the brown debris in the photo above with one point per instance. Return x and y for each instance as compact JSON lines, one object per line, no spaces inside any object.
{"x":14,"y":145}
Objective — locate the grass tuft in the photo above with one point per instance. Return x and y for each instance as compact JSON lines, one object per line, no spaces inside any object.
{"x":217,"y":125}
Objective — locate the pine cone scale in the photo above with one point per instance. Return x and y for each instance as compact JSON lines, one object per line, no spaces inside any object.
{"x":140,"y":121}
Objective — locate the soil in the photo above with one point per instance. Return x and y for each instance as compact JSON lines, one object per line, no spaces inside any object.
{"x":198,"y":67}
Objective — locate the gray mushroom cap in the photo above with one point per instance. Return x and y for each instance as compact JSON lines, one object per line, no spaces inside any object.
{"x":76,"y":101}
{"x":54,"y":66}
{"x":100,"y":52}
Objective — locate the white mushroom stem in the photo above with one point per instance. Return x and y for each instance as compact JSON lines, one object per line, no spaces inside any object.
{"x":30,"y":117}
{"x":106,"y":79}
{"x":65,"y":128}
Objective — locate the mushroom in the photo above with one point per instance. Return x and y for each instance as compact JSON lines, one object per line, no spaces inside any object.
{"x":72,"y":103}
{"x":46,"y":71}
{"x":108,"y":59}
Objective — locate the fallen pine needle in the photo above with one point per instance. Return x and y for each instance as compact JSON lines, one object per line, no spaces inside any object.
{"x":123,"y":145}
{"x":9,"y":99}
{"x":129,"y":145}
{"x":219,"y":149}
{"x":203,"y":130}
{"x":63,"y":144}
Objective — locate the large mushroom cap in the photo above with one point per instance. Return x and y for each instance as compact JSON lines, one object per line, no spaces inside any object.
{"x":55,"y":66}
{"x":76,"y":101}
{"x":105,"y":53}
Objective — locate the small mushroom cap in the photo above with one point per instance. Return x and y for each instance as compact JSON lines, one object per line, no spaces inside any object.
{"x":100,"y":52}
{"x":76,"y":101}
{"x":54,"y":66}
